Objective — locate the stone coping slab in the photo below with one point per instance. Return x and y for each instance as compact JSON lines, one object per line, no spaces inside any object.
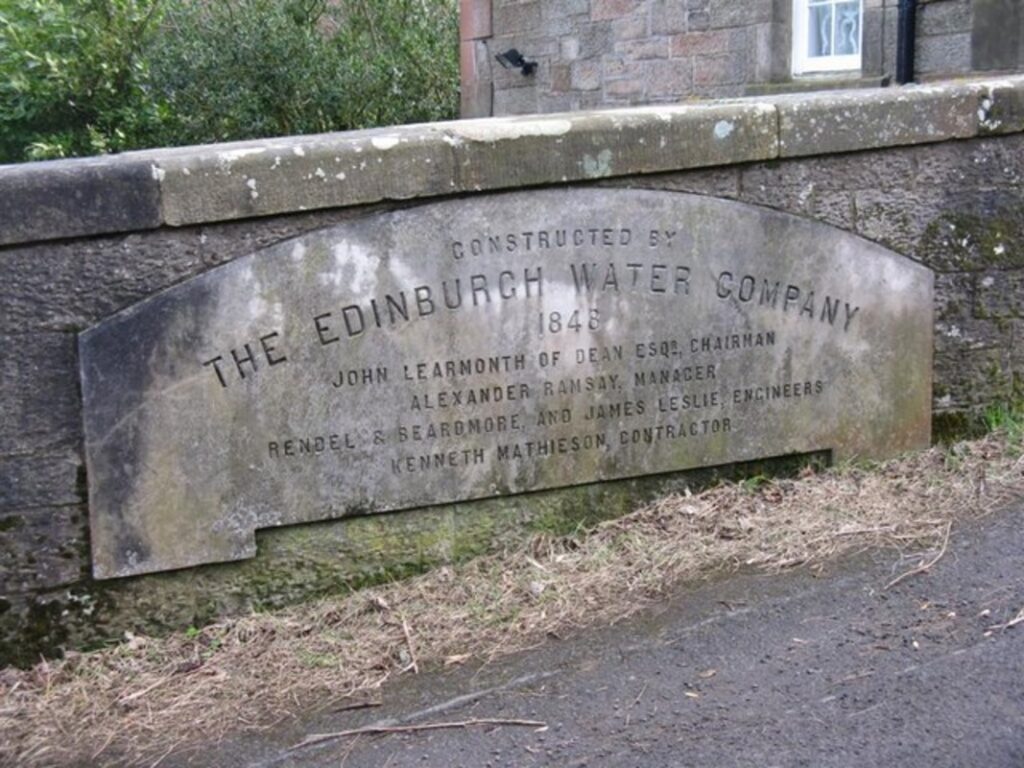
{"x":194,"y":185}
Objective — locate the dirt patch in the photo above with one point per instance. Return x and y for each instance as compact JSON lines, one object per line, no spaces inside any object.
{"x":138,"y":702}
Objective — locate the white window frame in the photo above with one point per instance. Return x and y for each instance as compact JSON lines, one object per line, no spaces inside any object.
{"x":804,"y":64}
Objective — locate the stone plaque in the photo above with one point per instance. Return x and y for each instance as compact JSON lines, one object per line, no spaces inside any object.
{"x":489,"y":346}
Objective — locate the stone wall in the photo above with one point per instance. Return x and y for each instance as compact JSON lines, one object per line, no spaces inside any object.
{"x":933,"y":173}
{"x":594,"y":53}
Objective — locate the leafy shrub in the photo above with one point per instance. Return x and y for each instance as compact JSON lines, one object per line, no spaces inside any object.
{"x":72,"y":76}
{"x":412,"y":71}
{"x":244,"y":68}
{"x":90,"y":76}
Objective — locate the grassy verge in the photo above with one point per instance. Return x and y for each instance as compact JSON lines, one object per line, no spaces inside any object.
{"x":1008,"y":420}
{"x":133,"y":704}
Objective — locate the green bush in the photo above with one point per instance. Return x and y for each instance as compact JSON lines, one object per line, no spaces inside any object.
{"x":82,"y":77}
{"x":72,"y":76}
{"x":245,"y":68}
{"x":412,"y":71}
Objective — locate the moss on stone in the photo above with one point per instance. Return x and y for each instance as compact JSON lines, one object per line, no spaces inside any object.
{"x":10,"y":522}
{"x":44,"y":631}
{"x":317,"y":560}
{"x":959,"y":241}
{"x":951,"y":426}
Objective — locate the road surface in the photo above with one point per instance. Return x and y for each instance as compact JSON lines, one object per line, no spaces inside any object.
{"x":757,"y":670}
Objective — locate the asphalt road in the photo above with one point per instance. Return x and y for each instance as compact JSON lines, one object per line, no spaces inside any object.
{"x":753,"y":670}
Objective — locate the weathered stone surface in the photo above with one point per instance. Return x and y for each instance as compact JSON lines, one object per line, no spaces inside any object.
{"x":1017,"y":358}
{"x":943,"y":54}
{"x":585,"y":75}
{"x":725,"y":13}
{"x":873,"y":41}
{"x":939,"y":19}
{"x":1003,"y":109}
{"x":520,"y":151}
{"x":729,"y":68}
{"x":67,"y":286}
{"x":972,"y":378}
{"x":990,"y":239}
{"x":230,"y":181}
{"x":39,"y":403}
{"x":70,"y":285}
{"x":878,"y":170}
{"x":65,"y":198}
{"x":554,"y":9}
{"x":993,"y":42}
{"x":515,"y":101}
{"x":971,"y":333}
{"x":716,"y":182}
{"x":305,"y":173}
{"x":474,"y":20}
{"x":1000,"y":294}
{"x":954,"y":298}
{"x":691,"y":44}
{"x":970,"y":171}
{"x":475,"y":94}
{"x":601,"y":10}
{"x":897,"y":222}
{"x":594,"y":42}
{"x":42,"y":548}
{"x":522,"y":17}
{"x":192,"y":185}
{"x":853,"y":120}
{"x":452,"y":352}
{"x":829,"y":201}
{"x":36,"y":481}
{"x":667,"y":17}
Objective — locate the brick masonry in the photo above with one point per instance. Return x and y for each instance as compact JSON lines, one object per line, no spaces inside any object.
{"x":933,"y":173}
{"x":593,"y":53}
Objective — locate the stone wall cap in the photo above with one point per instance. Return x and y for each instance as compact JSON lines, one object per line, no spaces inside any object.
{"x":219,"y":182}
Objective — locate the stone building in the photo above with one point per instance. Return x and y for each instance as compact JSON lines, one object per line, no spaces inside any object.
{"x":605,"y":53}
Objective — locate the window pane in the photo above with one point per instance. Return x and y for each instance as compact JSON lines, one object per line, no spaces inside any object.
{"x":819,"y":30}
{"x":847,"y":29}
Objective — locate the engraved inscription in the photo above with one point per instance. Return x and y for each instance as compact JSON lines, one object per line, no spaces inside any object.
{"x":423,"y":357}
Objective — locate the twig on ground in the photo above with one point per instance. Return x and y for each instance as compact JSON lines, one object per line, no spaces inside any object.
{"x":639,"y":696}
{"x":1011,"y":623}
{"x":629,"y":713}
{"x":319,"y":738}
{"x":348,"y":751}
{"x":165,"y":755}
{"x":138,"y":694}
{"x":357,"y":705}
{"x":414,"y":664}
{"x":923,"y":567}
{"x":104,"y":746}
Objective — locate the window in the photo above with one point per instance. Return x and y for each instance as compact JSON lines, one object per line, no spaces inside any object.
{"x":826,"y":35}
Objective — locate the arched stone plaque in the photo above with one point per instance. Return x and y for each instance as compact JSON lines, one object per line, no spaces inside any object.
{"x":488,"y":346}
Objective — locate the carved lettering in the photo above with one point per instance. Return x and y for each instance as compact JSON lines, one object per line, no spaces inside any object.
{"x":489,"y":346}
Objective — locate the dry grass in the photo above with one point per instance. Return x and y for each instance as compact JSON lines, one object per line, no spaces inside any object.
{"x":132,"y":704}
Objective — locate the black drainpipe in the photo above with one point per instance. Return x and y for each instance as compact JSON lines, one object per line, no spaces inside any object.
{"x":905,"y":36}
